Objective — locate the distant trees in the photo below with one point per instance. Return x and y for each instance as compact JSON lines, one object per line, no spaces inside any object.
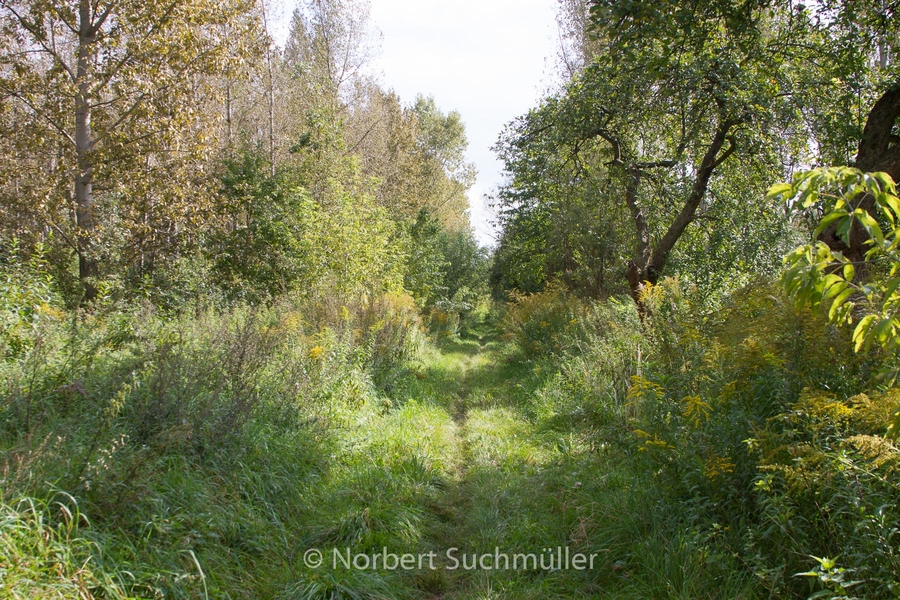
{"x":446,"y":268}
{"x":159,"y":142}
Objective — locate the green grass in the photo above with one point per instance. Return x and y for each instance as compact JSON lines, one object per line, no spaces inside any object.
{"x":471,"y":447}
{"x":533,"y":474}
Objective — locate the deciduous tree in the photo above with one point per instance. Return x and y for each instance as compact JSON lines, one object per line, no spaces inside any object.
{"x":112,"y":97}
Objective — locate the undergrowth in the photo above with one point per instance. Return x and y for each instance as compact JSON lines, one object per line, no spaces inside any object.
{"x":149,"y":456}
{"x":730,"y":453}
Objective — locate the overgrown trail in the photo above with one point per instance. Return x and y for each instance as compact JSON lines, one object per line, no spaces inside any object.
{"x":488,"y":470}
{"x":508,"y":484}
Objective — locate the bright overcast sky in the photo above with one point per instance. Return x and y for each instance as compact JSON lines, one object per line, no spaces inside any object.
{"x":487,"y":59}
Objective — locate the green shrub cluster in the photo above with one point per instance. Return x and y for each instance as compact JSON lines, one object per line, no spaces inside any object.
{"x":755,"y":430}
{"x":752,"y":419}
{"x":27,"y":295}
{"x":543,"y":323}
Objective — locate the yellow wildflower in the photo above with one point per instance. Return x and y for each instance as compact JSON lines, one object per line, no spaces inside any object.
{"x":696,"y":409}
{"x":716,"y":465}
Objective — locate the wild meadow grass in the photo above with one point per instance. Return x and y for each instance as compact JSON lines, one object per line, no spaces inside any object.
{"x":475,"y":448}
{"x":205,"y":457}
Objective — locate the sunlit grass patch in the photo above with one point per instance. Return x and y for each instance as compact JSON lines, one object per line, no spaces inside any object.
{"x":499,"y":437}
{"x":46,"y":552}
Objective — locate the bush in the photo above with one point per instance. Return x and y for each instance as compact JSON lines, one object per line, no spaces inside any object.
{"x":277,"y":239}
{"x":730,"y":417}
{"x":27,"y":297}
{"x":826,"y":487}
{"x":543,"y":323}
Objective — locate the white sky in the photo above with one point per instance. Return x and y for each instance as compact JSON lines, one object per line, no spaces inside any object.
{"x":487,"y":59}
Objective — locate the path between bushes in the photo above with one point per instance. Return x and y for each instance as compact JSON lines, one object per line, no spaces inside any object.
{"x":507,"y":481}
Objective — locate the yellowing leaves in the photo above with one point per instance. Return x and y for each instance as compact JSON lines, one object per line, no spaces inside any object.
{"x":291,"y":322}
{"x":643,"y":389}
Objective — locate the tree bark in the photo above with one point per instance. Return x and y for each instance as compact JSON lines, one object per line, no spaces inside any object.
{"x":711,"y":160}
{"x":652,"y":259}
{"x":88,"y":268}
{"x":878,"y":150}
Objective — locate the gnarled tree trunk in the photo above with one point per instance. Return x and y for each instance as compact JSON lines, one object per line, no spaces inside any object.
{"x":879,"y":150}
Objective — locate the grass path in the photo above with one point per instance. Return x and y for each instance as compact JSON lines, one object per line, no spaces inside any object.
{"x":507,"y":486}
{"x":480,"y":452}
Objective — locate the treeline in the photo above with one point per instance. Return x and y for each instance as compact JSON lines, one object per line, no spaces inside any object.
{"x":174,"y":151}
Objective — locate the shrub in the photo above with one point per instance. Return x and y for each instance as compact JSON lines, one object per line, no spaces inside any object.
{"x":27,"y":296}
{"x":543,"y":323}
{"x":728,"y":416}
{"x":827,"y":487}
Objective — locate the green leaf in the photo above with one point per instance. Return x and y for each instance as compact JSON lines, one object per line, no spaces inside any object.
{"x":884,"y":331}
{"x":892,"y":203}
{"x":808,"y":198}
{"x":839,"y":301}
{"x":780,"y":189}
{"x":849,"y":272}
{"x":843,"y":230}
{"x":890,"y":288}
{"x":830,"y":218}
{"x":870,"y":225}
{"x":861,"y":333}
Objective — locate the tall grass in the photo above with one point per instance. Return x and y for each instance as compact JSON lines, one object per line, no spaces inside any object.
{"x":202,"y":455}
{"x":197,"y":455}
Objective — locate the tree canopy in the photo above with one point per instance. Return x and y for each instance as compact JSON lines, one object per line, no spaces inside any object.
{"x":676,"y":125}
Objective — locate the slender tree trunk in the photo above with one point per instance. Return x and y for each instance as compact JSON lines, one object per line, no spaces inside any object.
{"x":271,"y":91}
{"x":228,"y":118}
{"x":713,"y":157}
{"x":88,"y":268}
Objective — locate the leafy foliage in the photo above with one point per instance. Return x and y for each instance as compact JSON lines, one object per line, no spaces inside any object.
{"x":751,"y":418}
{"x":266,"y":236}
{"x":822,"y":278}
{"x":111,"y":91}
{"x":28,"y":297}
{"x":144,"y":455}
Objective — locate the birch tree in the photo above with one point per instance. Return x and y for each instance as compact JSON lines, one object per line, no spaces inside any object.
{"x":111,"y":97}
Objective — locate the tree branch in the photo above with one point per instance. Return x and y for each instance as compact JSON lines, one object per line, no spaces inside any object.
{"x":39,"y":37}
{"x":98,"y":24}
{"x":59,"y":128}
{"x":711,"y":160}
{"x":140,"y":99}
